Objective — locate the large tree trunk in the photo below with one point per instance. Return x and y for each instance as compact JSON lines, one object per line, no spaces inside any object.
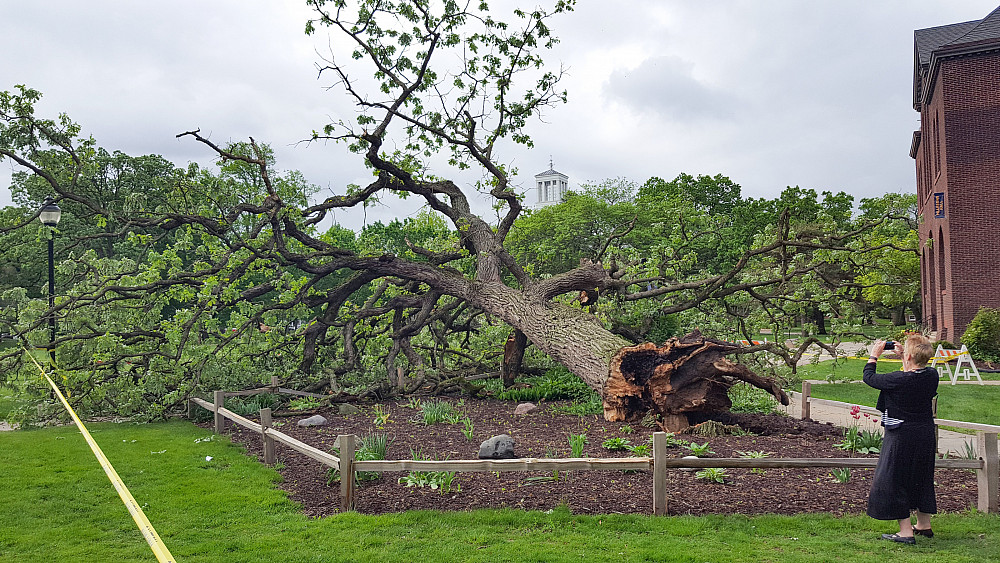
{"x":686,"y":375}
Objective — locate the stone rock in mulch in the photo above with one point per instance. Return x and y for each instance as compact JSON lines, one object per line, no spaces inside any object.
{"x":689,"y":469}
{"x":525,"y":408}
{"x":346,"y":408}
{"x":497,"y":447}
{"x":314,"y":420}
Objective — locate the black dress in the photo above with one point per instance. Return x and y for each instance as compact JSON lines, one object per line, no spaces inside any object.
{"x":904,"y":477}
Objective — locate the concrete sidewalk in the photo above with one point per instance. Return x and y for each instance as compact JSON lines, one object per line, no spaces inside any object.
{"x":952,"y":443}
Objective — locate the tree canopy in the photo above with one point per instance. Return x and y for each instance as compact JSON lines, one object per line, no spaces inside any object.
{"x":177,"y":280}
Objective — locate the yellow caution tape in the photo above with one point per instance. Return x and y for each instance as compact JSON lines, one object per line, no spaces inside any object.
{"x":154,"y":541}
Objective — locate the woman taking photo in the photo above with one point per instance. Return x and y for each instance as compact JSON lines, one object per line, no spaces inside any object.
{"x":904,"y":477}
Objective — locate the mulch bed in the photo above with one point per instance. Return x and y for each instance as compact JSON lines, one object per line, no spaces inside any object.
{"x":543,"y":433}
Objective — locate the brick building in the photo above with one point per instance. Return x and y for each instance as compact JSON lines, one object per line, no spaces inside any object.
{"x":956,"y":89}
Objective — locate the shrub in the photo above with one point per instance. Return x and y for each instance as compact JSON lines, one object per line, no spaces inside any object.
{"x":982,"y":336}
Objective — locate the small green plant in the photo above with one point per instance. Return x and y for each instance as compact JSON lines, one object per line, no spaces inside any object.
{"x":468,"y":427}
{"x":641,"y":450}
{"x":576,"y":442}
{"x":437,"y":412}
{"x":615,"y":444}
{"x":674,"y":442}
{"x":841,"y":474}
{"x":861,"y":441}
{"x":371,"y":447}
{"x":304,"y":403}
{"x":381,"y":416}
{"x":712,"y":475}
{"x":626,"y":429}
{"x":969,"y":453}
{"x":699,"y":449}
{"x":754,"y":455}
{"x":414,"y":403}
{"x":441,"y":481}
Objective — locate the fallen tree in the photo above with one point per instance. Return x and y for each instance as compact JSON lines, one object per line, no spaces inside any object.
{"x":265,"y":257}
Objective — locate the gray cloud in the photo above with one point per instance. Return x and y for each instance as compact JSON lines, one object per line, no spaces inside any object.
{"x":665,"y":85}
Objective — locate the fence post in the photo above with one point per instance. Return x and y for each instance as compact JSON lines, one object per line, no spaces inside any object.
{"x":219,"y":398}
{"x":274,"y":383}
{"x":988,"y":479}
{"x":659,"y":474}
{"x":806,"y":390}
{"x":265,"y":424}
{"x":346,"y":472}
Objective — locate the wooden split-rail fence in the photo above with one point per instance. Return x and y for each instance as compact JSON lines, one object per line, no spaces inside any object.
{"x":987,"y":467}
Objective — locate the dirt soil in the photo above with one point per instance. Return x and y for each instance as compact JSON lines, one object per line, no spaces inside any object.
{"x":544,"y":433}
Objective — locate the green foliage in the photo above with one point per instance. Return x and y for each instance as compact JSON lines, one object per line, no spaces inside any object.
{"x":614,"y":444}
{"x":372,"y":446}
{"x":699,"y":450}
{"x":438,"y":412}
{"x":381,"y":416}
{"x":860,"y":441}
{"x":982,"y":335}
{"x":576,"y":443}
{"x":640,"y":450}
{"x":441,"y":481}
{"x":749,"y":399}
{"x":675,"y":442}
{"x":626,"y":429}
{"x":841,"y":474}
{"x":593,"y":406}
{"x":556,"y":384}
{"x":304,"y":403}
{"x":467,"y":428}
{"x":712,"y":475}
{"x":252,"y":405}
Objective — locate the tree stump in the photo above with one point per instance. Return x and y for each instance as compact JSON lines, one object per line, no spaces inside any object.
{"x":685,"y":375}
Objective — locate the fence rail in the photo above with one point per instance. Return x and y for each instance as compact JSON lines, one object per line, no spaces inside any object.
{"x":987,"y":467}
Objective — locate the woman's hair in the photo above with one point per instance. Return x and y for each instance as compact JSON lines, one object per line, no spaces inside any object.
{"x":920,"y":349}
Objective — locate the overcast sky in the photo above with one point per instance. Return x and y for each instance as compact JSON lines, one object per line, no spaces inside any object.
{"x":771,"y":93}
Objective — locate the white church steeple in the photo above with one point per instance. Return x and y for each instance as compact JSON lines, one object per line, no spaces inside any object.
{"x":550,"y":186}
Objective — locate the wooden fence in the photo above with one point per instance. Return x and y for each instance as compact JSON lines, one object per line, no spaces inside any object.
{"x":987,"y":467}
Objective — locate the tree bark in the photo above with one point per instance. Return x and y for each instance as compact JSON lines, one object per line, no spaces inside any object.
{"x":513,"y":354}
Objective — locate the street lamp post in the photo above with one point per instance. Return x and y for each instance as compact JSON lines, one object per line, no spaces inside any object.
{"x":49,"y":216}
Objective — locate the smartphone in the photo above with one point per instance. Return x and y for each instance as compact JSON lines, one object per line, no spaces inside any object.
{"x":890,"y":345}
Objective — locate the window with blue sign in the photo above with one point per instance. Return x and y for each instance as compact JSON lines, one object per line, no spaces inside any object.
{"x":938,"y":205}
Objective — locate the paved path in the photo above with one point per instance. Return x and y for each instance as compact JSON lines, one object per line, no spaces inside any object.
{"x":953,"y":443}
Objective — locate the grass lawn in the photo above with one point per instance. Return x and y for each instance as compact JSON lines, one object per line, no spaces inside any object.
{"x":965,"y":402}
{"x":59,"y":506}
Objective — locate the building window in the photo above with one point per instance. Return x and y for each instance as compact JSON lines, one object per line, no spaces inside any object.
{"x":937,"y":142}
